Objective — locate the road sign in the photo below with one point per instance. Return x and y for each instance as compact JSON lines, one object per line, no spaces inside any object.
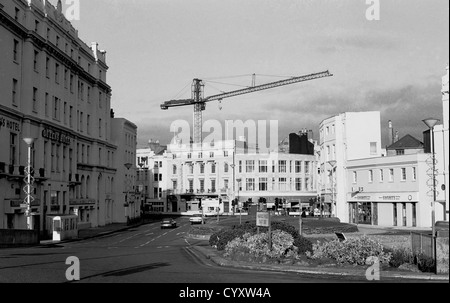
{"x":262,"y":219}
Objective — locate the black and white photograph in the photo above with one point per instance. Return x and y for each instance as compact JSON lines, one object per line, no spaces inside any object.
{"x":224,"y":150}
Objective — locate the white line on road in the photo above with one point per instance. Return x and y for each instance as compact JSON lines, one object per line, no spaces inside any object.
{"x":129,"y":237}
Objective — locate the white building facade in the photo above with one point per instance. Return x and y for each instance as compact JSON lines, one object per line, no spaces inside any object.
{"x":54,"y":90}
{"x":445,"y":151}
{"x":186,"y":177}
{"x":391,"y":191}
{"x":152,"y":176}
{"x":127,"y":205}
{"x":345,"y":137}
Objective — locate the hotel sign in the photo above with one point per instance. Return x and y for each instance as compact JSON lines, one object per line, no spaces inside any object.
{"x":56,"y":136}
{"x":9,"y":124}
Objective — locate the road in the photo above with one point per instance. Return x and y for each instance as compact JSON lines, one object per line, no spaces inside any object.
{"x":145,"y":254}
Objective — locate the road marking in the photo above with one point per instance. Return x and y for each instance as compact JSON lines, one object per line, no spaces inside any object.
{"x":128,"y":238}
{"x":187,"y":242}
{"x":149,"y":234}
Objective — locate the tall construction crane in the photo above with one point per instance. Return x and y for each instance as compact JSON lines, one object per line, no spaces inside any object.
{"x":199,"y":102}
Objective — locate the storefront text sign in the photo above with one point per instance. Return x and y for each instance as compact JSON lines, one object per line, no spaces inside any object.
{"x":56,"y":136}
{"x":9,"y":124}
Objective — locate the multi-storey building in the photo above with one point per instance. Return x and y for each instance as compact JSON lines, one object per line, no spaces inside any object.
{"x":393,"y":190}
{"x":186,"y":177}
{"x":151,"y":178}
{"x":345,"y":137}
{"x":442,"y":132}
{"x":54,"y":90}
{"x":127,"y":206}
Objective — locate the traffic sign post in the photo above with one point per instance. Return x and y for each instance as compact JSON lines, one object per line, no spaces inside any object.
{"x":263,"y":220}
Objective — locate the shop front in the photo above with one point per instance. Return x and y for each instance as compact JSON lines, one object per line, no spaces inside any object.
{"x":384,"y":209}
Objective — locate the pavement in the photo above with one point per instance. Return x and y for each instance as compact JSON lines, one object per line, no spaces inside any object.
{"x":213,"y":255}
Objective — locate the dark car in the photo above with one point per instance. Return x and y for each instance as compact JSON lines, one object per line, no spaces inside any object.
{"x":168,"y":223}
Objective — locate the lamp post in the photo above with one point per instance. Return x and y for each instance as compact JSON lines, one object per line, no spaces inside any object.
{"x":142,"y":191}
{"x":431,"y":123}
{"x":127,"y":190}
{"x":333,"y":165}
{"x":238,"y":201}
{"x":29,"y":185}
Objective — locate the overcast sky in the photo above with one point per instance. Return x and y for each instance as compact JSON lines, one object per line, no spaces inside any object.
{"x":155,"y":48}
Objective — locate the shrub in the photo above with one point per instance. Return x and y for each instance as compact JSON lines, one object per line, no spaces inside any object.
{"x":220,"y":239}
{"x":425,"y":263}
{"x":401,"y":256}
{"x":257,"y":246}
{"x":302,"y":243}
{"x":352,"y":251}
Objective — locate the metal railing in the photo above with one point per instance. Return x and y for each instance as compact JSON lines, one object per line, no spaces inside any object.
{"x":422,"y":243}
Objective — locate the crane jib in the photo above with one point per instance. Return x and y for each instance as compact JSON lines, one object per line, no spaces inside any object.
{"x":176,"y":103}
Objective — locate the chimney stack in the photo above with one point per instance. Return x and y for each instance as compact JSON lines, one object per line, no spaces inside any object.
{"x":391,"y":133}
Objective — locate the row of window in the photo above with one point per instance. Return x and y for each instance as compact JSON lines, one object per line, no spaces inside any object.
{"x":253,"y":184}
{"x":57,"y":41}
{"x":60,"y":152}
{"x":200,"y":155}
{"x":55,"y":108}
{"x":390,"y":176}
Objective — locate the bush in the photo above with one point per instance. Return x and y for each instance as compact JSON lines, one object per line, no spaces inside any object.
{"x":425,"y":263}
{"x":220,"y":239}
{"x":302,"y":243}
{"x":352,"y":251}
{"x":256,"y":246}
{"x":401,"y":256}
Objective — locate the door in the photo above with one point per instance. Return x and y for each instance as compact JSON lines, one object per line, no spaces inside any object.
{"x":395,"y":214}
{"x":375,"y":213}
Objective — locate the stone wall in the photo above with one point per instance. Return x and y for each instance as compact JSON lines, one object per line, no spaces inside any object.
{"x":17,"y":238}
{"x":442,"y":252}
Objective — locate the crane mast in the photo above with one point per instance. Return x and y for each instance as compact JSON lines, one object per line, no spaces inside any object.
{"x":199,"y":101}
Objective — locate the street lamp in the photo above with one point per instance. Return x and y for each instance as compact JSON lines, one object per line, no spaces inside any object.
{"x":238,"y":201}
{"x":333,"y":165}
{"x":431,"y":123}
{"x":29,"y":185}
{"x":127,"y":190}
{"x":142,"y":191}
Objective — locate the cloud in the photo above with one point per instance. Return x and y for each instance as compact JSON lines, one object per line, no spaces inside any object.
{"x":338,"y":40}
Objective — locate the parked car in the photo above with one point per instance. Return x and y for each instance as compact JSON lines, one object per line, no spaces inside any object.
{"x":196,"y":219}
{"x":168,"y":223}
